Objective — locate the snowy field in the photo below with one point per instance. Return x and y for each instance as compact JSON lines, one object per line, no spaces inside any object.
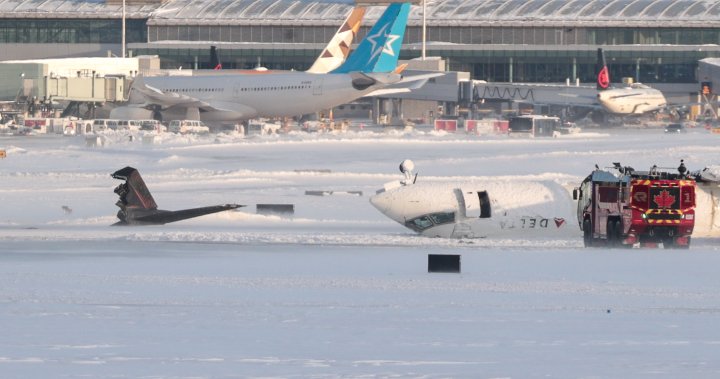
{"x":336,"y":290}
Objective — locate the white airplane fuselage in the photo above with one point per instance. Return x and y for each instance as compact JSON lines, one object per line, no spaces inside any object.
{"x":631,"y":100}
{"x":245,"y":96}
{"x":479,"y":209}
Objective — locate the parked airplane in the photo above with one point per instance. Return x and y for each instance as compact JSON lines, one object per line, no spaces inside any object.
{"x":332,"y":56}
{"x":240,"y":97}
{"x":477,"y":209}
{"x":633,"y":99}
{"x":137,"y":206}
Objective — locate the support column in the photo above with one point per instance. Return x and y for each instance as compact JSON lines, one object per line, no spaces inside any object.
{"x":574,"y":69}
{"x":510,"y":71}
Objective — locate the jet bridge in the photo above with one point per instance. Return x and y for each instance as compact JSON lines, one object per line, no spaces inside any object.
{"x":563,"y":95}
{"x":86,"y":80}
{"x":87,"y":89}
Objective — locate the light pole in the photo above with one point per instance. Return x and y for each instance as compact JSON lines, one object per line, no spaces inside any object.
{"x":424,"y":29}
{"x":123,"y":29}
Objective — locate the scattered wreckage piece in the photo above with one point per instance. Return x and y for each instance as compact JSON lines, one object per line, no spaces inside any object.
{"x":331,"y":192}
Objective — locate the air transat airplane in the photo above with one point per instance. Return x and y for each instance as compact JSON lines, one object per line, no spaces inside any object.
{"x":285,"y":94}
{"x":634,"y":99}
{"x":477,"y":208}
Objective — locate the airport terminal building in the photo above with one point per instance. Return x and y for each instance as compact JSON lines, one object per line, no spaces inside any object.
{"x":652,"y":41}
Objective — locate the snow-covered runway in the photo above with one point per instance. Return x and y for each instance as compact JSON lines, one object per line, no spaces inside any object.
{"x":336,"y":290}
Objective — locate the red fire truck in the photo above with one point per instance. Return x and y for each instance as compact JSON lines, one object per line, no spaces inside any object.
{"x":623,"y":207}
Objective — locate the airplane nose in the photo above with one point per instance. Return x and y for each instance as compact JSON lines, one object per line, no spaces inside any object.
{"x":381,"y":202}
{"x":388,"y":205}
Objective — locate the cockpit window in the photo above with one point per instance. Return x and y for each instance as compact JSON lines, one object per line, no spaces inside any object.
{"x":442,"y":218}
{"x":420,"y":223}
{"x":423,"y":222}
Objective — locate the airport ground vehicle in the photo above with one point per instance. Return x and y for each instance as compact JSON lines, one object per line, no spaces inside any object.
{"x":101,"y":124}
{"x":152,"y":125}
{"x":534,"y":125}
{"x":624,"y":207}
{"x":188,"y":126}
{"x":675,"y":128}
{"x":131,"y":125}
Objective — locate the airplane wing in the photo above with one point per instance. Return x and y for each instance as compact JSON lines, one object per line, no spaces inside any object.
{"x":155,"y":96}
{"x":160,"y":217}
{"x":424,"y":77}
{"x":152,"y":96}
{"x":417,"y":81}
{"x":388,"y":91}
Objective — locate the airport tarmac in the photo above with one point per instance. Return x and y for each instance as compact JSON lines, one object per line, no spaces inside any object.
{"x":336,"y":289}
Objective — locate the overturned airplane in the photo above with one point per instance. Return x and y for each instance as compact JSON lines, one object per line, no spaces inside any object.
{"x":477,"y":209}
{"x":137,"y":206}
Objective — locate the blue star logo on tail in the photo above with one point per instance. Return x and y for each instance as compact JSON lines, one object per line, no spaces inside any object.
{"x":387,"y":48}
{"x":376,"y":50}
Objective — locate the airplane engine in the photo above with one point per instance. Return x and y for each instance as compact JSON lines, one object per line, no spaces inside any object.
{"x":131,"y":113}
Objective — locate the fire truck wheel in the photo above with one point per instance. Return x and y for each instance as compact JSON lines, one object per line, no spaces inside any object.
{"x":670,"y":244}
{"x":613,"y":232}
{"x":587,"y":232}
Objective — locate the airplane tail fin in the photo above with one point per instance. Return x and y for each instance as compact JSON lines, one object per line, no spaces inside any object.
{"x":379,"y":50}
{"x":338,"y":49}
{"x":133,"y":193}
{"x":603,"y":78}
{"x":137,"y":206}
{"x":214,"y":59}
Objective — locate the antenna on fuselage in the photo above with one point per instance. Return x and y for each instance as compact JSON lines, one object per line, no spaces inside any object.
{"x":406,"y":167}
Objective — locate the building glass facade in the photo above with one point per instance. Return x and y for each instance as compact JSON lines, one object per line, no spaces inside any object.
{"x":71,"y":30}
{"x":521,"y":54}
{"x":498,"y":40}
{"x":474,"y":35}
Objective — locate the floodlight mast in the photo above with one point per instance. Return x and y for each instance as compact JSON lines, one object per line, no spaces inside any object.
{"x":424,"y":28}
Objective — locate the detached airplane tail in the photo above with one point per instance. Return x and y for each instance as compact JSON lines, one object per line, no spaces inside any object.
{"x":133,"y":193}
{"x":379,"y":50}
{"x":603,"y":78}
{"x":338,"y":49}
{"x":137,"y":206}
{"x":215,"y":63}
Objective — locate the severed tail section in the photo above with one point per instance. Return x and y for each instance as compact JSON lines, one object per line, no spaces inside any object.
{"x":133,"y":193}
{"x":137,"y":206}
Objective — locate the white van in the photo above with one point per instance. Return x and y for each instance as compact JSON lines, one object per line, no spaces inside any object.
{"x":102,"y":124}
{"x":188,"y":126}
{"x":152,"y":125}
{"x":131,"y":125}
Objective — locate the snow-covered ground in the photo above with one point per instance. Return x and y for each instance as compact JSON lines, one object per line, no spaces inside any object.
{"x":336,"y":290}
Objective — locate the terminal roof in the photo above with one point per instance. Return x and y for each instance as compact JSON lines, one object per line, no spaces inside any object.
{"x":601,"y":13}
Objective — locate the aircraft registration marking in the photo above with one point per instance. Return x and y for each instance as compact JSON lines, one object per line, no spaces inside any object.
{"x":530,"y":222}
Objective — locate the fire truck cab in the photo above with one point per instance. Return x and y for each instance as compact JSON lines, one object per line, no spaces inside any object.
{"x":623,"y":207}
